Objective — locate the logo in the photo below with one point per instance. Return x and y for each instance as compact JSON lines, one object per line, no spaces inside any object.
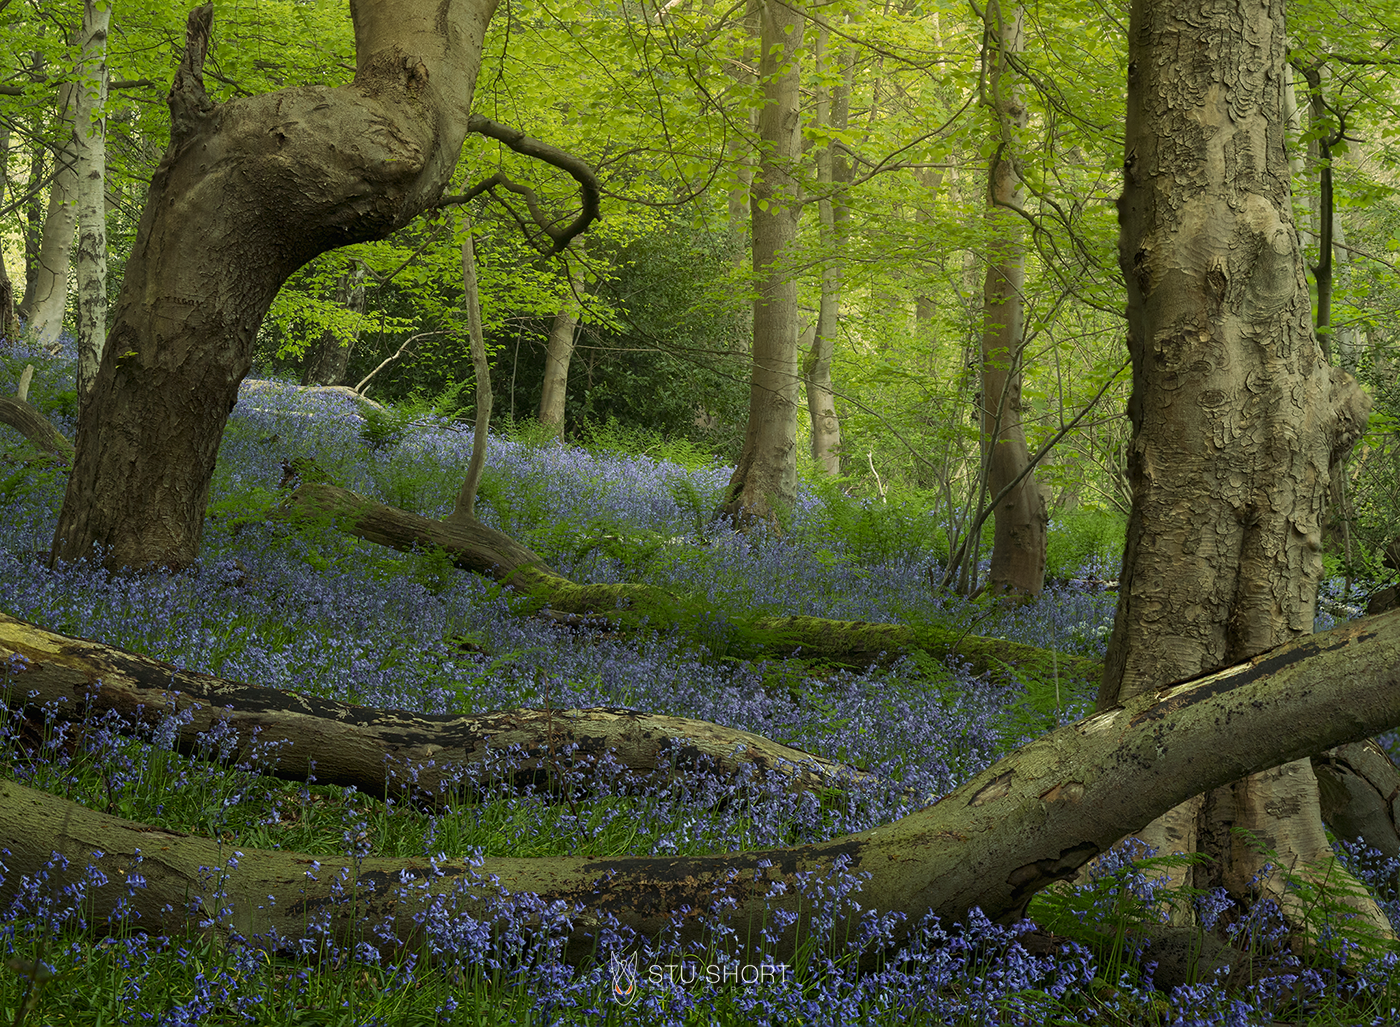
{"x":624,"y":977}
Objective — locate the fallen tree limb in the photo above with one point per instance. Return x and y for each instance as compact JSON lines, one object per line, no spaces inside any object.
{"x":474,"y":547}
{"x":20,"y":414}
{"x":414,"y":756}
{"x":1031,"y":819}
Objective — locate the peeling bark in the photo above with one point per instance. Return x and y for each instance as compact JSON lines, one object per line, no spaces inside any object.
{"x":1031,"y":819}
{"x":1237,"y":418}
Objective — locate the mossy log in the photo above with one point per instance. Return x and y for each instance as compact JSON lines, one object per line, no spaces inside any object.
{"x":1029,"y":820}
{"x":414,"y":756}
{"x":474,"y":547}
{"x":34,"y":426}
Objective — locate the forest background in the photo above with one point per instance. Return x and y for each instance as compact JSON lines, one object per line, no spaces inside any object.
{"x":640,"y":335}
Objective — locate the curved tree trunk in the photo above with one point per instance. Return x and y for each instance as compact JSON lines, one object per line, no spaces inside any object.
{"x":246,"y":193}
{"x":1031,"y":819}
{"x":765,"y":477}
{"x":1237,"y":418}
{"x":1020,"y":519}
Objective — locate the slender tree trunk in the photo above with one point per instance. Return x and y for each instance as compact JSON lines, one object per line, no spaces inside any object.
{"x":464,"y":510}
{"x":833,"y":171}
{"x":765,"y":478}
{"x":90,"y":177}
{"x":46,"y":296}
{"x":329,"y":356}
{"x":1236,"y":416}
{"x":559,"y":351}
{"x":9,"y":322}
{"x":246,"y":193}
{"x":1018,"y":549}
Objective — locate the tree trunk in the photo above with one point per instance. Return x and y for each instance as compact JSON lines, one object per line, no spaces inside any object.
{"x":1018,"y":549}
{"x":46,"y":294}
{"x":833,"y":172}
{"x":9,"y":322}
{"x":1031,"y":819}
{"x":330,"y":354}
{"x":415,"y":756}
{"x":1236,"y":416}
{"x":764,"y":481}
{"x":560,"y":349}
{"x":246,"y":193}
{"x":464,"y":509}
{"x":89,"y":179}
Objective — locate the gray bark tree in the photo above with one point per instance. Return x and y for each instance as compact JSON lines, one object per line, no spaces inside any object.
{"x":1020,"y":518}
{"x":765,"y":478}
{"x":46,"y":287}
{"x":89,"y":181}
{"x":833,"y":173}
{"x":559,"y":350}
{"x":1237,"y":419}
{"x":329,"y":355}
{"x":247,"y":192}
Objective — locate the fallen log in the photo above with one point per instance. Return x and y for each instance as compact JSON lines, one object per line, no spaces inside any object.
{"x":474,"y":547}
{"x":1029,"y":820}
{"x":415,"y":756}
{"x":19,"y":414}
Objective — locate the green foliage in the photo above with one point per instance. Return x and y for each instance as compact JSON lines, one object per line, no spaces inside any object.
{"x":870,"y":531}
{"x":1084,"y":537}
{"x":613,"y":436}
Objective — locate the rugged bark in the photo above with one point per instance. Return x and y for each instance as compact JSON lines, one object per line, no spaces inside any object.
{"x":1031,"y":819}
{"x":89,"y":180}
{"x":1236,"y":417}
{"x":46,"y":289}
{"x":414,"y":756}
{"x":833,"y":172}
{"x":474,"y":547}
{"x":1020,"y":517}
{"x":764,"y":481}
{"x":330,"y":353}
{"x":246,"y":193}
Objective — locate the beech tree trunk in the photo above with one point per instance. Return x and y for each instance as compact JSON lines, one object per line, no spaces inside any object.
{"x":765,"y":478}
{"x":1020,"y":518}
{"x":833,"y":171}
{"x":246,"y":193}
{"x":89,"y":180}
{"x":1031,"y":819}
{"x":559,"y":351}
{"x":1237,"y":418}
{"x":330,"y":354}
{"x":46,"y":292}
